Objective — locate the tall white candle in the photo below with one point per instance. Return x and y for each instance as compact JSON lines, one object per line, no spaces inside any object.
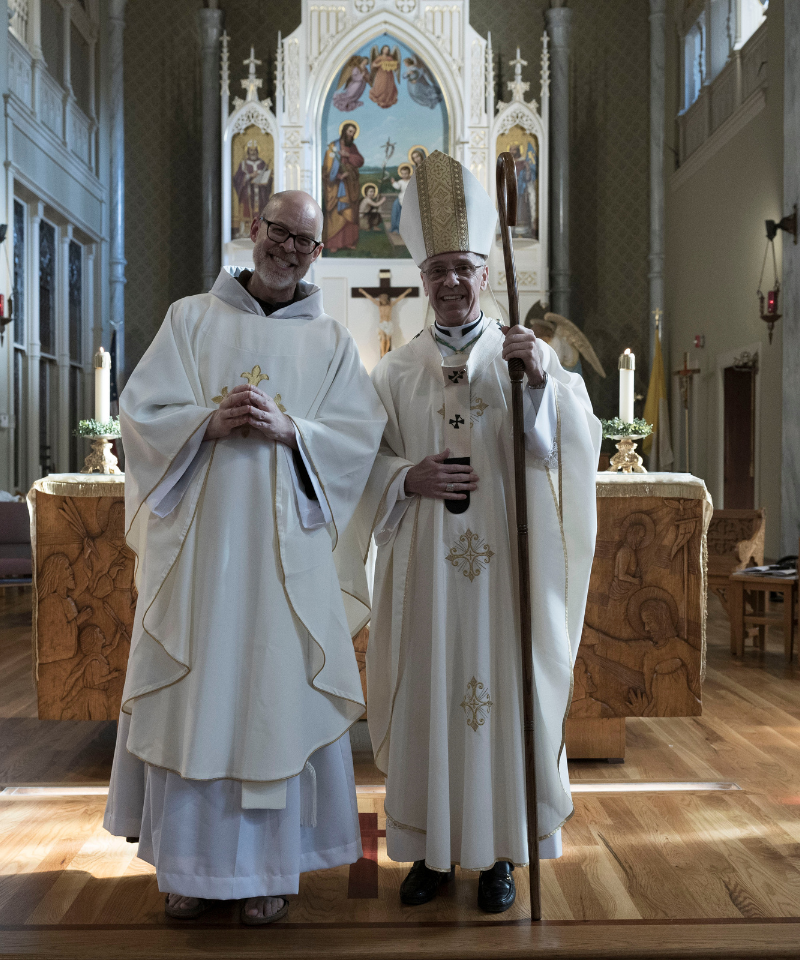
{"x":627,"y":364}
{"x":102,"y":386}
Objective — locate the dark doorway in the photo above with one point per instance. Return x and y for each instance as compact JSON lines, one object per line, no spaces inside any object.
{"x":740,"y":409}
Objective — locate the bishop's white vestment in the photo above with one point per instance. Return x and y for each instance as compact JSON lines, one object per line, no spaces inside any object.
{"x":444,"y":662}
{"x":242,"y":668}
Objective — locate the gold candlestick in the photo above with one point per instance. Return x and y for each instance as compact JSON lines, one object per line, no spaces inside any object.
{"x":101,"y":459}
{"x":626,"y":459}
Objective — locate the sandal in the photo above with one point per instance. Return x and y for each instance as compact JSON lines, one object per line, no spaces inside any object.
{"x":260,"y":921}
{"x":200,"y":907}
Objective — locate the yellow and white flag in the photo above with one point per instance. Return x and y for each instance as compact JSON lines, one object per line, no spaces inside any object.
{"x":656,"y":411}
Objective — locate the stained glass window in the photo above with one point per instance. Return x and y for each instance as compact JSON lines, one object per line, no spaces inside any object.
{"x":19,"y":273}
{"x":47,"y":287}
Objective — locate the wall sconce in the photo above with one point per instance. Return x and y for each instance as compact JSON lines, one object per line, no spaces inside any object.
{"x":768,"y":306}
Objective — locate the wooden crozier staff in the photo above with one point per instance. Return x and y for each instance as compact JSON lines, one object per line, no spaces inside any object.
{"x":507,"y":207}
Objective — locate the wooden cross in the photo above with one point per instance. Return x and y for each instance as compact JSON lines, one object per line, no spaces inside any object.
{"x":384,"y":286}
{"x":385,"y":296}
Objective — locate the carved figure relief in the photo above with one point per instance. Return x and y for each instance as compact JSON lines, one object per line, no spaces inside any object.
{"x":637,"y":531}
{"x":58,"y":613}
{"x":86,"y":600}
{"x":641,"y":648}
{"x":584,"y":705}
{"x":85,"y":689}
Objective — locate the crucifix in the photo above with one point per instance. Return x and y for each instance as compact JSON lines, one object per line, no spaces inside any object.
{"x":685,"y":382}
{"x":385,"y":296}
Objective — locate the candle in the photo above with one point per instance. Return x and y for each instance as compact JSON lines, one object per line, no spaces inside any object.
{"x":627,"y":364}
{"x":102,"y":386}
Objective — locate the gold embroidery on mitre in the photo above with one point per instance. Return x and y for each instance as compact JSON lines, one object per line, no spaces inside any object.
{"x":477,"y":704}
{"x":473,"y":555}
{"x":442,"y":205}
{"x":255,"y":376}
{"x":476,"y":410}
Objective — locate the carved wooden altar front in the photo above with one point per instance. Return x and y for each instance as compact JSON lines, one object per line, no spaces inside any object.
{"x":642,"y":652}
{"x":84,"y":596}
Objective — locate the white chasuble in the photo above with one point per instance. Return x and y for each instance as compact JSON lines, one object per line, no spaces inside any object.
{"x":241,"y":662}
{"x":444,"y":661}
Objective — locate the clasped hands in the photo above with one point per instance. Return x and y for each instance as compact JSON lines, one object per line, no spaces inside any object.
{"x":251,"y":407}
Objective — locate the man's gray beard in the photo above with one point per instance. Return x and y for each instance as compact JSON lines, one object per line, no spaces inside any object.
{"x":276,"y":281}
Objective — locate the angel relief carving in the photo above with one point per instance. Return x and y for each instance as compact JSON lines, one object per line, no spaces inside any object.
{"x":641,"y":648}
{"x":86,"y":604}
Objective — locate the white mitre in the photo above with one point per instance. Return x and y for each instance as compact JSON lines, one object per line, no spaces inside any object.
{"x":446,"y":210}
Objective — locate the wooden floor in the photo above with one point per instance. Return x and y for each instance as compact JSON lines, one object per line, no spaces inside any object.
{"x":694,"y":873}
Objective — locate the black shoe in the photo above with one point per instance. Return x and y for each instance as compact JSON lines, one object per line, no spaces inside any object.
{"x":422,"y":884}
{"x":496,"y":889}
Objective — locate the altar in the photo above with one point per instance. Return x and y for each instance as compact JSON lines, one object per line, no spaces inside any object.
{"x":642,"y":652}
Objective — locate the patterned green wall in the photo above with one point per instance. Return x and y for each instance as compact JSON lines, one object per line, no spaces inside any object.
{"x":609,"y":146}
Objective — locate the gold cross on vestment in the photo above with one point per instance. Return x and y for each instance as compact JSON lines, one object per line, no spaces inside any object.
{"x":476,"y":704}
{"x":474,"y":555}
{"x":255,"y":376}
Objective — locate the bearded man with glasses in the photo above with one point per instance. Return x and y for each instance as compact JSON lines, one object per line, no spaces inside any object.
{"x":249,"y":430}
{"x":443,"y":663}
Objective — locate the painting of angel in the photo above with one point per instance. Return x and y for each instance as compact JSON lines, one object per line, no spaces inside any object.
{"x":422,"y":87}
{"x":353,"y":80}
{"x":384,"y":72}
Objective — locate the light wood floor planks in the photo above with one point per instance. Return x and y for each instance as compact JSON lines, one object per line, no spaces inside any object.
{"x":692,"y":874}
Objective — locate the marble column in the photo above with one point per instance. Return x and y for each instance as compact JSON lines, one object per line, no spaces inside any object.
{"x":790,"y":291}
{"x":117,"y":261}
{"x":209,"y":24}
{"x":657,"y":117}
{"x":558,"y":20}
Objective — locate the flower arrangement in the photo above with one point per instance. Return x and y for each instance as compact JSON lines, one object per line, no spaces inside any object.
{"x":617,"y":428}
{"x":93,"y":428}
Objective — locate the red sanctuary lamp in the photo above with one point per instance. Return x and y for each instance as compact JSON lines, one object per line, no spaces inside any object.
{"x":770,"y":315}
{"x":769,"y":305}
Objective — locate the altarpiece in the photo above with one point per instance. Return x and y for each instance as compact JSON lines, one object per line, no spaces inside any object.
{"x":365,"y":89}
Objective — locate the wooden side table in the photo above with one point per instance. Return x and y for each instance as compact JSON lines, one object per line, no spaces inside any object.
{"x":754,"y":590}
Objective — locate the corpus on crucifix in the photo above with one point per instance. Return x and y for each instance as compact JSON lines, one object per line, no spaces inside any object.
{"x":385,"y":296}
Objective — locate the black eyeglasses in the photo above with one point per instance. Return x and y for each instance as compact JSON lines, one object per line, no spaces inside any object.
{"x":280,"y":235}
{"x":463,"y":271}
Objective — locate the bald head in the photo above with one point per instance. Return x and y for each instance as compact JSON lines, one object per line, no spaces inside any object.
{"x":291,"y":217}
{"x":297,"y":207}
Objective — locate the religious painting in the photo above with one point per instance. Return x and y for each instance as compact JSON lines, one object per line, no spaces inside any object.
{"x":253,"y":180}
{"x":524,"y":148}
{"x":380,"y":104}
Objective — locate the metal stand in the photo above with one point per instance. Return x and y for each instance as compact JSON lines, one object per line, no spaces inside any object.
{"x":101,"y":459}
{"x":627,"y":459}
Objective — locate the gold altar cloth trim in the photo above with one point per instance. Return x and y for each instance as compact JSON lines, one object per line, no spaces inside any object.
{"x":81,"y":485}
{"x":677,"y":486}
